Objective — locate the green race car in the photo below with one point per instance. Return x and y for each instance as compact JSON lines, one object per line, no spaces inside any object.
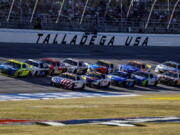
{"x":15,"y":68}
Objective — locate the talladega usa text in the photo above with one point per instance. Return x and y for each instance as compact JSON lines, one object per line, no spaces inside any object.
{"x":91,"y":39}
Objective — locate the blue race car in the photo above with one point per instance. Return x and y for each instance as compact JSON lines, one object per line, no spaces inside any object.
{"x":121,"y":79}
{"x":145,"y":78}
{"x":134,"y":66}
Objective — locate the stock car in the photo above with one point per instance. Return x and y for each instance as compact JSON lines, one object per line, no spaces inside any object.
{"x":68,"y":81}
{"x":75,"y":66}
{"x":39,"y":68}
{"x":16,"y":68}
{"x":170,"y":78}
{"x":134,"y":66}
{"x":121,"y":79}
{"x":95,"y":79}
{"x":102,"y":66}
{"x":145,"y":78}
{"x":167,"y":66}
{"x":55,"y":66}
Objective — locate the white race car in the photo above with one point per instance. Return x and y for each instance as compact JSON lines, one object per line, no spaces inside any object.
{"x":96,"y":79}
{"x":39,"y":68}
{"x":75,"y":66}
{"x":167,"y":66}
{"x":68,"y":81}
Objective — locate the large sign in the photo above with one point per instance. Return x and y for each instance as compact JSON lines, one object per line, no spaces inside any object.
{"x":82,"y":38}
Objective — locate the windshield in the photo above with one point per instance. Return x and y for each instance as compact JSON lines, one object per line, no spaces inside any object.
{"x":13,"y":64}
{"x":74,"y":63}
{"x":101,"y":63}
{"x":134,"y":64}
{"x":95,"y":76}
{"x":32,"y":63}
{"x":68,"y":77}
{"x":120,"y":74}
{"x":170,"y":64}
{"x":142,"y":74}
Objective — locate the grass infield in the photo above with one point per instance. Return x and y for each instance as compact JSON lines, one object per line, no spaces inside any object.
{"x":83,"y":108}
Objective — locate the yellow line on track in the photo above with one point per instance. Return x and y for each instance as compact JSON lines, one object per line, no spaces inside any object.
{"x":166,"y":98}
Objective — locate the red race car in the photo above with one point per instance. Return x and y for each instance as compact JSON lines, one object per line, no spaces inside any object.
{"x":55,"y":66}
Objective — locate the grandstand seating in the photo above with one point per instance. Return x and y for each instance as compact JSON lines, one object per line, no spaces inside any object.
{"x":114,"y":18}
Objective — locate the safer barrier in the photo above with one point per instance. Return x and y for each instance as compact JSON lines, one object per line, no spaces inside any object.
{"x":82,"y":38}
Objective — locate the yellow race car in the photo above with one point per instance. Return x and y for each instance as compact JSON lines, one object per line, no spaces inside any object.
{"x":15,"y":68}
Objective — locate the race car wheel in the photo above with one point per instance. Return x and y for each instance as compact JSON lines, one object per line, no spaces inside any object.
{"x":107,"y":85}
{"x":52,"y":72}
{"x":52,"y":84}
{"x":174,"y":83}
{"x":82,"y":87}
{"x":155,"y":84}
{"x":36,"y":73}
{"x":145,"y":84}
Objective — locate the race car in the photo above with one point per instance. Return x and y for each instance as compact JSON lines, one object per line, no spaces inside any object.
{"x":95,"y":79}
{"x":145,"y":78}
{"x":55,"y":66}
{"x":68,"y":81}
{"x":102,"y":66}
{"x":16,"y":68}
{"x":167,"y":66}
{"x":170,"y":78}
{"x":39,"y":68}
{"x":75,"y":66}
{"x":121,"y":79}
{"x":134,"y":66}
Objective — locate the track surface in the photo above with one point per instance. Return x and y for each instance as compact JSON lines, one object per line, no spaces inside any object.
{"x":117,"y":55}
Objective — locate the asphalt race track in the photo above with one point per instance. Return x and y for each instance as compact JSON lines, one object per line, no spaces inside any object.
{"x":117,"y":55}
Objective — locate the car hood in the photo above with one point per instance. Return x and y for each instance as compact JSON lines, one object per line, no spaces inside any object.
{"x":7,"y":67}
{"x":89,"y":78}
{"x":162,"y":66}
{"x":118,"y":78}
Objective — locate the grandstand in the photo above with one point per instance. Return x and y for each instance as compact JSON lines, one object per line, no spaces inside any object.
{"x":145,"y":16}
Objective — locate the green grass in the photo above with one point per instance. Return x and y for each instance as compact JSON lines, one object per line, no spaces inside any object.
{"x":84,"y":108}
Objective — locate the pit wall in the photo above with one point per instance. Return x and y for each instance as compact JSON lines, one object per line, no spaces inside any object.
{"x":83,"y":38}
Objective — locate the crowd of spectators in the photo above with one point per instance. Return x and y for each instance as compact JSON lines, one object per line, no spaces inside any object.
{"x":115,"y":11}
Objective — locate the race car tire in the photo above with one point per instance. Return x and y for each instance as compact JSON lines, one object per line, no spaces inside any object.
{"x":52,"y":72}
{"x":155,"y":84}
{"x":145,"y":84}
{"x":107,"y":85}
{"x":82,"y":88}
{"x":52,"y":84}
{"x":36,"y":73}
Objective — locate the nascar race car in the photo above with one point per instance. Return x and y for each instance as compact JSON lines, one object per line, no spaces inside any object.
{"x":68,"y":81}
{"x":39,"y":68}
{"x":16,"y":68}
{"x":167,"y":66}
{"x":145,"y":78}
{"x":134,"y":66}
{"x":55,"y":67}
{"x":95,"y":79}
{"x":75,"y":66}
{"x":102,"y":66}
{"x":170,"y":78}
{"x":121,"y":79}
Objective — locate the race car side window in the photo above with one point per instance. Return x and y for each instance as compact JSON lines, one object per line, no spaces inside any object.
{"x":24,"y":66}
{"x":151,"y":76}
{"x":143,"y":66}
{"x":80,"y":64}
{"x":179,"y":67}
{"x":78,"y":78}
